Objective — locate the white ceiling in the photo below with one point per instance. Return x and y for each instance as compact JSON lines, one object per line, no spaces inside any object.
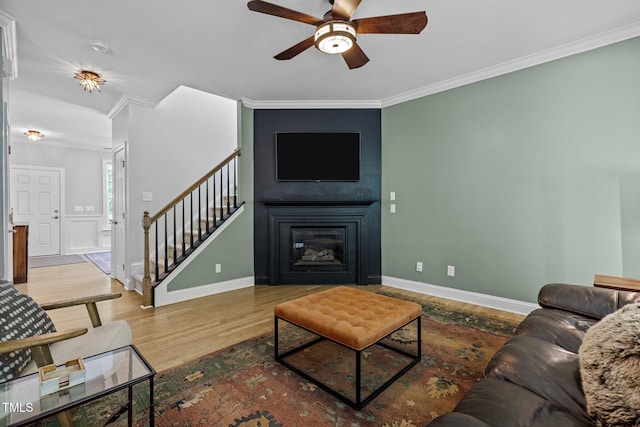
{"x":223,"y":48}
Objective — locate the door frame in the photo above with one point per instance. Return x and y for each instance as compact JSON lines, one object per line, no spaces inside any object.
{"x":115,"y":244}
{"x":62,"y":194}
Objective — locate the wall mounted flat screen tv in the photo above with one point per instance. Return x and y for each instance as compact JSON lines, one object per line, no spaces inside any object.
{"x":317,"y":156}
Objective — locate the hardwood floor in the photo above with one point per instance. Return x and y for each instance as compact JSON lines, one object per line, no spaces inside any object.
{"x":169,"y":336}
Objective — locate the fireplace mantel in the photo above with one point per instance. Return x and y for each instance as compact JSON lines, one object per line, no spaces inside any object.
{"x":318,"y":202}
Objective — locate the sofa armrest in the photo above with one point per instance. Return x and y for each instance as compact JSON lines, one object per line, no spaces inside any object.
{"x":585,"y":300}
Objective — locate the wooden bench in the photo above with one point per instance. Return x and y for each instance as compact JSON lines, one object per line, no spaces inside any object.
{"x":354,"y":319}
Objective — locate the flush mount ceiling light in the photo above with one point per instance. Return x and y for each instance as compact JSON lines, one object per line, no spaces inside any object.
{"x":335,"y":37}
{"x":90,"y":80}
{"x":34,"y":135}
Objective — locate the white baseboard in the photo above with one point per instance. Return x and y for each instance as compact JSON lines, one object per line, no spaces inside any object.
{"x":171,"y":297}
{"x":499,"y":303}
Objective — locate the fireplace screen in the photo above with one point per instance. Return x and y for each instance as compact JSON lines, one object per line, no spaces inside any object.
{"x":317,"y":248}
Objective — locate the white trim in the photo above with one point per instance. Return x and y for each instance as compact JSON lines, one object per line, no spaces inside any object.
{"x":562,"y":51}
{"x":162,"y":296}
{"x":203,"y":291}
{"x":9,"y":44}
{"x":125,"y":100}
{"x":304,"y":104}
{"x":57,"y":144}
{"x":499,"y":303}
{"x":106,"y":163}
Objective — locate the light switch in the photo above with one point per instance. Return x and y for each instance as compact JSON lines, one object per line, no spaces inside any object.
{"x":147,"y":196}
{"x":89,"y":208}
{"x":392,"y":208}
{"x":392,"y":195}
{"x":78,"y":208}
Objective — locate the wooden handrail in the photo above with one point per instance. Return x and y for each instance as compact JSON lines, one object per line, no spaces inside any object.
{"x":149,"y":220}
{"x":195,"y":185}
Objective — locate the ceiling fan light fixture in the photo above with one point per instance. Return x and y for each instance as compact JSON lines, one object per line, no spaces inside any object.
{"x":335,"y":37}
{"x":90,"y":80}
{"x":34,"y":135}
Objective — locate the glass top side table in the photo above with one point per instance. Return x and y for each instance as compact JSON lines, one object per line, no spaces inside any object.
{"x":106,"y":373}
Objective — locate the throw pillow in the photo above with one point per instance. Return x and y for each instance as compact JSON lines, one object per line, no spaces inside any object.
{"x":20,"y":317}
{"x":609,"y":367}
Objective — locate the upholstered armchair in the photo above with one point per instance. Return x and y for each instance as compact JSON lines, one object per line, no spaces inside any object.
{"x":29,"y":340}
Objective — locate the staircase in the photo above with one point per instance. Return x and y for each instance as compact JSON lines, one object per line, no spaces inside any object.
{"x":173,"y":233}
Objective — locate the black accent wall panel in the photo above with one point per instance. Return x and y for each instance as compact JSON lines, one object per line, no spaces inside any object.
{"x":368,"y":189}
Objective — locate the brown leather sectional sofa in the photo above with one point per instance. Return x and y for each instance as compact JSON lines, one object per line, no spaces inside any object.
{"x":534,"y":379}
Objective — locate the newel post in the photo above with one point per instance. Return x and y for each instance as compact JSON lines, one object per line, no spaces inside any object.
{"x":147,"y":292}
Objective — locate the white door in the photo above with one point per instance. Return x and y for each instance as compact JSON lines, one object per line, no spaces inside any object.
{"x":35,"y":200}
{"x":118,"y":229}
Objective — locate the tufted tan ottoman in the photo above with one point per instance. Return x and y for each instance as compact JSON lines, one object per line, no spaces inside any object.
{"x":354,"y":319}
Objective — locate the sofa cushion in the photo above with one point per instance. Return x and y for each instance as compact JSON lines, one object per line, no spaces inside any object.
{"x":609,"y":364}
{"x":20,"y":317}
{"x":499,"y":403}
{"x":542,"y":368}
{"x":97,"y":340}
{"x":559,"y":327}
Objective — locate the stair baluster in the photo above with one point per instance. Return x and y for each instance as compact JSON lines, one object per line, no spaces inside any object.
{"x":205,"y":228}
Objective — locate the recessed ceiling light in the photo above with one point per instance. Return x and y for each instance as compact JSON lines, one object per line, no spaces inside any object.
{"x":100,"y":46}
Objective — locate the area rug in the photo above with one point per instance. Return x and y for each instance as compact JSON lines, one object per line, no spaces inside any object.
{"x":102,"y":260}
{"x":242,"y":385}
{"x":52,"y":260}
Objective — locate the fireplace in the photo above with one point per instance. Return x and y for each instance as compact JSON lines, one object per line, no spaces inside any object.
{"x":318,"y":248}
{"x":318,"y":243}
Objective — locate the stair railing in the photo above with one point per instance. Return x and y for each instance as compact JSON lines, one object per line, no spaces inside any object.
{"x":181,"y":225}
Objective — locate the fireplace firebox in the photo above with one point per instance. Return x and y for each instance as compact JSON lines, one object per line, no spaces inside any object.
{"x":318,"y":248}
{"x":318,"y":244}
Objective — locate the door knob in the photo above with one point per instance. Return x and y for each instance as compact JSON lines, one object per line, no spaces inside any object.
{"x":55,"y":217}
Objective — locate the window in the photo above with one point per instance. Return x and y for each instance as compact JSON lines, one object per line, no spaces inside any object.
{"x":107,"y":192}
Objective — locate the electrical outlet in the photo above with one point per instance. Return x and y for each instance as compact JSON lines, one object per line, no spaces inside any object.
{"x":218,"y":268}
{"x":451,"y":270}
{"x":419,"y":266}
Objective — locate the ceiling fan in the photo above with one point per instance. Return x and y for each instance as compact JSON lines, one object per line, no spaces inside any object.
{"x":336,"y":32}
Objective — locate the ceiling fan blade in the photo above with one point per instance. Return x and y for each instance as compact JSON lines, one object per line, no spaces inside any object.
{"x":296,"y":49}
{"x":404,"y":23}
{"x":344,"y":8}
{"x":282,"y":12}
{"x":355,"y":57}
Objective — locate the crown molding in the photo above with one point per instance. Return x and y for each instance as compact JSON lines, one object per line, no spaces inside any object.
{"x":56,"y":144}
{"x":9,"y":44}
{"x":563,"y":51}
{"x":126,"y":100}
{"x":310,"y":104}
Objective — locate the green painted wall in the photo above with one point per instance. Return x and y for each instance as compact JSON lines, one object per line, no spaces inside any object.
{"x":520,"y":180}
{"x":233,"y":248}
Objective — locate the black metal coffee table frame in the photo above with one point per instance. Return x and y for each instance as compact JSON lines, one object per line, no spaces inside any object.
{"x":359,"y":402}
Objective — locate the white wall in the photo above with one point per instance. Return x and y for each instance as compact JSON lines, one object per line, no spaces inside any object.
{"x":83,"y":231}
{"x":169,"y":148}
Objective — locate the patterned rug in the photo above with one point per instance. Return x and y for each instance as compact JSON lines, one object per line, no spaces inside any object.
{"x":242,"y":385}
{"x":52,"y":260}
{"x":102,"y":260}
